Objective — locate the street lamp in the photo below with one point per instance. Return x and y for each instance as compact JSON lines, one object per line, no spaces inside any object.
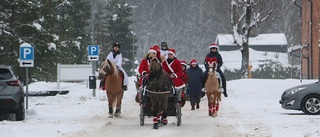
{"x":133,"y":34}
{"x":133,"y":58}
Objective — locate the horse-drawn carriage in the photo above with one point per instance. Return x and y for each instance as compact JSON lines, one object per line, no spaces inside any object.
{"x":158,"y":97}
{"x":174,"y":105}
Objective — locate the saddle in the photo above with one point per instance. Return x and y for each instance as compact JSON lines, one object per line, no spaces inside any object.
{"x":121,"y":74}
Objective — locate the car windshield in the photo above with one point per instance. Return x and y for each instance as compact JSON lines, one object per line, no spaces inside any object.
{"x":5,"y":74}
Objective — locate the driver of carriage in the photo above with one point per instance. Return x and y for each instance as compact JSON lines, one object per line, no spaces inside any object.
{"x":214,"y":53}
{"x":154,"y":52}
{"x":173,"y":67}
{"x":116,"y":57}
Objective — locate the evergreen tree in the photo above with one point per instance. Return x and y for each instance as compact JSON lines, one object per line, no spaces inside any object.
{"x":118,"y":29}
{"x":73,"y":17}
{"x":21,"y":23}
{"x":54,"y":28}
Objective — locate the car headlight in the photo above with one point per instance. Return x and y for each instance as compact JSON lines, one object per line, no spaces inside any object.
{"x":294,"y":91}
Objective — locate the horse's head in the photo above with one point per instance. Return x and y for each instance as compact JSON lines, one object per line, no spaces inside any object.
{"x":212,"y":65}
{"x":158,"y":80}
{"x":155,"y":66}
{"x":107,"y":68}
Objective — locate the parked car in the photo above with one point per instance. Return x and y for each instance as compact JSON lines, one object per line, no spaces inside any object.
{"x":304,"y":97}
{"x":11,"y":93}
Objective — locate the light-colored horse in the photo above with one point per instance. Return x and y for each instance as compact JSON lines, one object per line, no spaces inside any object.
{"x":212,"y":89}
{"x":113,"y":84}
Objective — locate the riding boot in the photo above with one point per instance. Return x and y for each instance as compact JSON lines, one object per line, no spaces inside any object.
{"x":125,"y":88}
{"x":224,"y":86}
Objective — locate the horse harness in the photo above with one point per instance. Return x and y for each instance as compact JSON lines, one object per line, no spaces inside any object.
{"x":153,"y":78}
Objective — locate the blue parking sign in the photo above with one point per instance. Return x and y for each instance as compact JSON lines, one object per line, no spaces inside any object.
{"x":26,"y":53}
{"x":93,"y":52}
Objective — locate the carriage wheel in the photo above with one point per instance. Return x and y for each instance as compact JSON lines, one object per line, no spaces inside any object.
{"x":141,"y":116}
{"x":178,"y":110}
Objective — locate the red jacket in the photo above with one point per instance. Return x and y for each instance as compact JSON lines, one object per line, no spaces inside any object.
{"x":175,"y":69}
{"x":184,"y":77}
{"x":144,"y":66}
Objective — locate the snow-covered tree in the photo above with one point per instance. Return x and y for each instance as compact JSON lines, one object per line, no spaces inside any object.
{"x":118,"y":30}
{"x":54,"y":28}
{"x":20,"y":23}
{"x":245,"y":16}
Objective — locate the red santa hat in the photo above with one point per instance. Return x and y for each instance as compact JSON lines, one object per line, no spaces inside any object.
{"x":155,"y":49}
{"x":194,"y":61}
{"x":213,"y":45}
{"x":172,"y":51}
{"x":152,"y":50}
{"x":183,"y":63}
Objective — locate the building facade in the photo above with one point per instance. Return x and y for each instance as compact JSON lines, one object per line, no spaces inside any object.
{"x":310,"y":38}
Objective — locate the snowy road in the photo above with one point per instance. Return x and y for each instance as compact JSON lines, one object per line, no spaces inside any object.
{"x":194,"y":123}
{"x":249,"y":111}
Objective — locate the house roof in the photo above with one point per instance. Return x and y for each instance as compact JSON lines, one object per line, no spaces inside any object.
{"x":261,"y":39}
{"x":294,"y":48}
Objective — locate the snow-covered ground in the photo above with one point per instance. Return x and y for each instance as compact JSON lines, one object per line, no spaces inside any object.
{"x":252,"y":109}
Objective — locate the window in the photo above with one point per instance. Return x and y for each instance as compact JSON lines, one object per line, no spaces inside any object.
{"x":5,"y":74}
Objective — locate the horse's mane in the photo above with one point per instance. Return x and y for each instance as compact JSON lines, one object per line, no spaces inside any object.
{"x":111,"y":66}
{"x":155,"y":66}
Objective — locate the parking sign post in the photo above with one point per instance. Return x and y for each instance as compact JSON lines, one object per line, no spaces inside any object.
{"x":26,"y":60}
{"x":27,"y":93}
{"x":93,"y":56}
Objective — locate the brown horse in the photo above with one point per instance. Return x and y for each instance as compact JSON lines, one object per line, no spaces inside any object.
{"x":158,"y":86}
{"x":113,"y":84}
{"x":212,"y":90}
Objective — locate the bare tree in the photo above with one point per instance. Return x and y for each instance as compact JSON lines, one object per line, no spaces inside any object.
{"x":246,"y":15}
{"x":188,"y":26}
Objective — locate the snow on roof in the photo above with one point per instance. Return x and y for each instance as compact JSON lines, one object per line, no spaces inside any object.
{"x":232,"y":59}
{"x":294,"y":48}
{"x":261,"y":39}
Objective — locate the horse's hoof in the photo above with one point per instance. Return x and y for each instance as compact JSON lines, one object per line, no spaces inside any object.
{"x":214,"y":115}
{"x":210,"y":114}
{"x":117,"y":115}
{"x":110,"y":115}
{"x":155,"y":125}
